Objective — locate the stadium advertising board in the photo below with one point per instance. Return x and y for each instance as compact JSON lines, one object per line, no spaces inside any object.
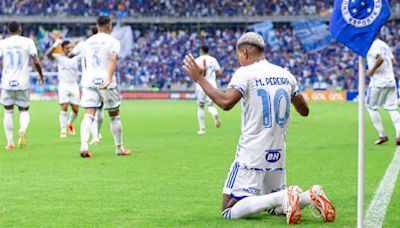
{"x":324,"y":95}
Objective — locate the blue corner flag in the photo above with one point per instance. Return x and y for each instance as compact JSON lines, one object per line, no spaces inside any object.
{"x":355,"y":23}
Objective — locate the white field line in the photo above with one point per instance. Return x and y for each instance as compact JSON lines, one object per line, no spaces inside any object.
{"x":376,"y":211}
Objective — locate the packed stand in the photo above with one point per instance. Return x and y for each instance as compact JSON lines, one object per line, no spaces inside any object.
{"x":171,"y":8}
{"x":156,"y":59}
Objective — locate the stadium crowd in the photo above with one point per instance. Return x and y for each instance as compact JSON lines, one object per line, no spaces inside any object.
{"x":156,"y":58}
{"x":172,"y":8}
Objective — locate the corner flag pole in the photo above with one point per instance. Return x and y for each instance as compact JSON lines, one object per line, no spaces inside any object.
{"x":361,"y":135}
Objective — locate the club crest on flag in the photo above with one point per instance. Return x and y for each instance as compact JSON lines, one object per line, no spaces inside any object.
{"x":361,"y":13}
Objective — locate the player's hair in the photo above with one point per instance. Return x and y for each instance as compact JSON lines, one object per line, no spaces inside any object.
{"x":94,"y":30}
{"x":65,"y":43}
{"x":205,"y":49}
{"x":258,"y":48}
{"x":103,"y":20}
{"x":13,"y":26}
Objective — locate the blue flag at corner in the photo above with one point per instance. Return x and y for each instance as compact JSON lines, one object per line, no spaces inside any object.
{"x":355,"y":23}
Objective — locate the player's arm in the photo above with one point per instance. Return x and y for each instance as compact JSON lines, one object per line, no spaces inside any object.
{"x":111,"y":70}
{"x":224,"y":99}
{"x":300,"y":105}
{"x":378,"y":63}
{"x":49,"y":53}
{"x":38,"y":67}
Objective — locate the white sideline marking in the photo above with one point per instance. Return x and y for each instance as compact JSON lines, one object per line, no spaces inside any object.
{"x":377,"y":209}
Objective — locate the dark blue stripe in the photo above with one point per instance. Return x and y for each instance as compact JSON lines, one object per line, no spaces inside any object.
{"x":234,"y":175}
{"x":234,"y":178}
{"x":230,"y":176}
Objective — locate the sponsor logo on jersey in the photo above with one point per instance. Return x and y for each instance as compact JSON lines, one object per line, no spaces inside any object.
{"x":13,"y":83}
{"x":98,"y":81}
{"x":273,"y":156}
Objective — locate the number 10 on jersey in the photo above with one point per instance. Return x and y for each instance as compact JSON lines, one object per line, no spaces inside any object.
{"x":280,"y":96}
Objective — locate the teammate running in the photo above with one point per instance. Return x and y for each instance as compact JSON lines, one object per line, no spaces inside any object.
{"x":68,"y":88}
{"x":16,"y":51}
{"x":382,"y":88}
{"x":212,"y":70}
{"x":257,"y":179}
{"x":100,"y":53}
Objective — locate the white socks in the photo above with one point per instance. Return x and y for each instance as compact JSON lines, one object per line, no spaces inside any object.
{"x":377,"y":122}
{"x":254,"y":204}
{"x":116,"y":129}
{"x":213,"y":111}
{"x":24,"y":119}
{"x":9,"y":126}
{"x":86,"y":126}
{"x":63,"y":121}
{"x":98,"y":121}
{"x":304,"y":199}
{"x":200,"y":117}
{"x":395,"y":116}
{"x":72,"y":117}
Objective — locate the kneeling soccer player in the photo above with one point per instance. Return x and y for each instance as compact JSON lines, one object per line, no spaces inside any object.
{"x":257,"y":180}
{"x":100,"y":52}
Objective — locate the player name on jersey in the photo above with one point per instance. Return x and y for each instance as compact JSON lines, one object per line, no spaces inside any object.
{"x":272,"y":81}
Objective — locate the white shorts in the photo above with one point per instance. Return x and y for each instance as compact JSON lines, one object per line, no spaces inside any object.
{"x":242,"y":182}
{"x":94,"y":98}
{"x":20,"y":98}
{"x":202,"y":98}
{"x":69,"y":94}
{"x":378,"y":97}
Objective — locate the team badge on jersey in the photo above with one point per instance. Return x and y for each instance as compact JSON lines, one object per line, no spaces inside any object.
{"x":361,"y":13}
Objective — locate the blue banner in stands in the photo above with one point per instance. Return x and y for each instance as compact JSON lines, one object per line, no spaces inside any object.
{"x":313,"y":34}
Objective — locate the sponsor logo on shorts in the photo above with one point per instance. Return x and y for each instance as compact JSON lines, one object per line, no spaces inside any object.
{"x":273,"y":156}
{"x":98,"y":81}
{"x":252,"y":191}
{"x":13,"y":83}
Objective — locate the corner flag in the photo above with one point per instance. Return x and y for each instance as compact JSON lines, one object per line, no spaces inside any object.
{"x":355,"y":23}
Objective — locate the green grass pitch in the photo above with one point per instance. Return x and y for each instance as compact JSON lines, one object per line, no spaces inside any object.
{"x":174,"y":177}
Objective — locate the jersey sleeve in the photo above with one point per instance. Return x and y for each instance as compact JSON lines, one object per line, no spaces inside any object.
{"x":294,"y":86}
{"x":32,"y":48}
{"x":239,"y":82}
{"x":217,"y":67}
{"x":116,"y":47}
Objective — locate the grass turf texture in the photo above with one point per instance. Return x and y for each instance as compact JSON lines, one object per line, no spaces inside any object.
{"x":174,"y":177}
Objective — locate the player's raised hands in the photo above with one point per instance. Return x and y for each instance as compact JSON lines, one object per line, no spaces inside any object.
{"x":195,"y":71}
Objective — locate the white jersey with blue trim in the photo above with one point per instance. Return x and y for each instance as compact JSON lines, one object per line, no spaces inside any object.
{"x":96,"y":52}
{"x":266,"y":91}
{"x":384,"y":75}
{"x":77,"y":51}
{"x":212,"y":66}
{"x":67,"y":68}
{"x":16,"y":51}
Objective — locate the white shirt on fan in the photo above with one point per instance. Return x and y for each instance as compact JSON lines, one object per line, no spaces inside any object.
{"x":16,"y":51}
{"x":212,"y":66}
{"x":266,"y":91}
{"x":96,"y":52}
{"x":384,"y":75}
